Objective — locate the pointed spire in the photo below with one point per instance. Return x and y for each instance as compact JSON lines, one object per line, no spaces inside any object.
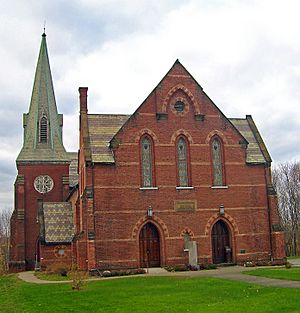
{"x":44,"y":33}
{"x":42,"y":124}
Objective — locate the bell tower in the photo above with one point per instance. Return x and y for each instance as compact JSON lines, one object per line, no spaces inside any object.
{"x":42,"y":165}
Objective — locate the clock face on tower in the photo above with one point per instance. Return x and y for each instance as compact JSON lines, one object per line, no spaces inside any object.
{"x":43,"y":183}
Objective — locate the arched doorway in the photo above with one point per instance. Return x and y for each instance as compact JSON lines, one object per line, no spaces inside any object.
{"x":221,"y":250}
{"x":149,"y":246}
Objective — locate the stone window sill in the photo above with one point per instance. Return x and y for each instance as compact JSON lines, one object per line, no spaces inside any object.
{"x":219,"y":187}
{"x":149,"y":188}
{"x":184,"y":188}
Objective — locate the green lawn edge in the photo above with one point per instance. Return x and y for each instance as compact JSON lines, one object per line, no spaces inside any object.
{"x":277,"y":273}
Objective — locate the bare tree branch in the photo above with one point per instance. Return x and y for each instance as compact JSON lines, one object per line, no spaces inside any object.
{"x":5,"y":215}
{"x":286,"y":180}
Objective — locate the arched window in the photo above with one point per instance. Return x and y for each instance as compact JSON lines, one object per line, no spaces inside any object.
{"x":217,"y":162}
{"x":147,"y":162}
{"x":183,"y":180}
{"x":43,"y":129}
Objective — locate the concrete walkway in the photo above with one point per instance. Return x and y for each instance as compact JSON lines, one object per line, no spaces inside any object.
{"x":230,"y":273}
{"x":295,"y":262}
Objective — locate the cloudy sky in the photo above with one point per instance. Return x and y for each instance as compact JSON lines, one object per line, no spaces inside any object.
{"x":244,"y":53}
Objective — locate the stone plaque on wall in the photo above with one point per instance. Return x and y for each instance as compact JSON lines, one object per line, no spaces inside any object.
{"x":185,"y":205}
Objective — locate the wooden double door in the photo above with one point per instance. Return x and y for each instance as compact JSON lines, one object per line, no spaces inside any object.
{"x":149,"y":246}
{"x":220,"y":243}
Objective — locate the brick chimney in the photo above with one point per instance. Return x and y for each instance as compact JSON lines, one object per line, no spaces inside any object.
{"x":83,"y":99}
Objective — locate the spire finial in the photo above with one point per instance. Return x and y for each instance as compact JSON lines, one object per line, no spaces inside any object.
{"x":44,"y":33}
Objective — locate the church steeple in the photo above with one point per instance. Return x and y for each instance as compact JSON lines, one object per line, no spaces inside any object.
{"x":42,"y":124}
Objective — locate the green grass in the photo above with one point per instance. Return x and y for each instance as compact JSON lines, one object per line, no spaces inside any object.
{"x":279,"y":273}
{"x":293,"y":257}
{"x":53,"y":277}
{"x":146,"y":294}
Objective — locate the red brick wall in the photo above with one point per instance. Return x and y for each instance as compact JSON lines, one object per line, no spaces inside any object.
{"x":27,"y":198}
{"x":49,"y":255}
{"x":120,"y":206}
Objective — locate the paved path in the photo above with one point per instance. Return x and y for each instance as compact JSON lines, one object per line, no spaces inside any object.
{"x":230,"y":273}
{"x":295,"y":262}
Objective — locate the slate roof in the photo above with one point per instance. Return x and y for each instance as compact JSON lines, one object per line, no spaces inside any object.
{"x":58,"y":222}
{"x":43,"y":103}
{"x":73,"y":172}
{"x":256,"y":150}
{"x":102,"y":128}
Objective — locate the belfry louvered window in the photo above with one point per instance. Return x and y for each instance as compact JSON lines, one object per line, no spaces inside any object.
{"x":183,"y":180}
{"x":44,"y":129}
{"x":217,"y":162}
{"x":146,"y":158}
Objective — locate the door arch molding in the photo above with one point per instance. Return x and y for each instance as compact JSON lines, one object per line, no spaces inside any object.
{"x":227,"y":218}
{"x":161,"y":226}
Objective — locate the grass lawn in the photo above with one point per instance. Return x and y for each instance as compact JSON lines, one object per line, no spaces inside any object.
{"x":280,"y":273}
{"x":293,"y":257}
{"x":146,"y":294}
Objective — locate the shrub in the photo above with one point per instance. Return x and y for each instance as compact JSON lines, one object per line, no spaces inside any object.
{"x":288,"y":265}
{"x":177,"y":268}
{"x":208,"y":266}
{"x":78,"y":279}
{"x":111,"y":273}
{"x":3,"y":268}
{"x":211,"y":267}
{"x":137,"y":271}
{"x":58,"y":268}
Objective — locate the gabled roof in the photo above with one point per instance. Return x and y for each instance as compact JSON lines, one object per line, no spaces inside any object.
{"x":256,"y":150}
{"x":42,"y":103}
{"x":102,"y":128}
{"x":58,"y":222}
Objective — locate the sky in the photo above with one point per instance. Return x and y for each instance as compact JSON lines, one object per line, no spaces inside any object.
{"x":244,"y":53}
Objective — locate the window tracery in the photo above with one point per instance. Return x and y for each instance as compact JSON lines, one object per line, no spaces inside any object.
{"x":182,"y":162}
{"x":146,"y":153}
{"x":217,"y":162}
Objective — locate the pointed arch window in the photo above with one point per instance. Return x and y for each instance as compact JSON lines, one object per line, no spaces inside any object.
{"x":182,"y":164}
{"x":217,"y":162}
{"x":44,"y":129}
{"x":147,"y":162}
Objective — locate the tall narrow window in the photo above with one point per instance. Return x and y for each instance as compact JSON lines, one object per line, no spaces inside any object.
{"x":182,"y":163}
{"x":146,"y":156}
{"x":43,"y":129}
{"x":218,"y":177}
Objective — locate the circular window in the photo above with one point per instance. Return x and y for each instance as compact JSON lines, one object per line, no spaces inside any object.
{"x":61,"y":252}
{"x":179,"y":106}
{"x":43,"y":183}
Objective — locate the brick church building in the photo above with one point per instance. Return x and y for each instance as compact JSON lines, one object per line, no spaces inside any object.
{"x":176,"y":182}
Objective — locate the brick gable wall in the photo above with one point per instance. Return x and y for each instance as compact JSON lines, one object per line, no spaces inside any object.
{"x":118,"y":211}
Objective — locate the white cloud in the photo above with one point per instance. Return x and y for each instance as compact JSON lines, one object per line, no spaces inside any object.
{"x":245,"y":54}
